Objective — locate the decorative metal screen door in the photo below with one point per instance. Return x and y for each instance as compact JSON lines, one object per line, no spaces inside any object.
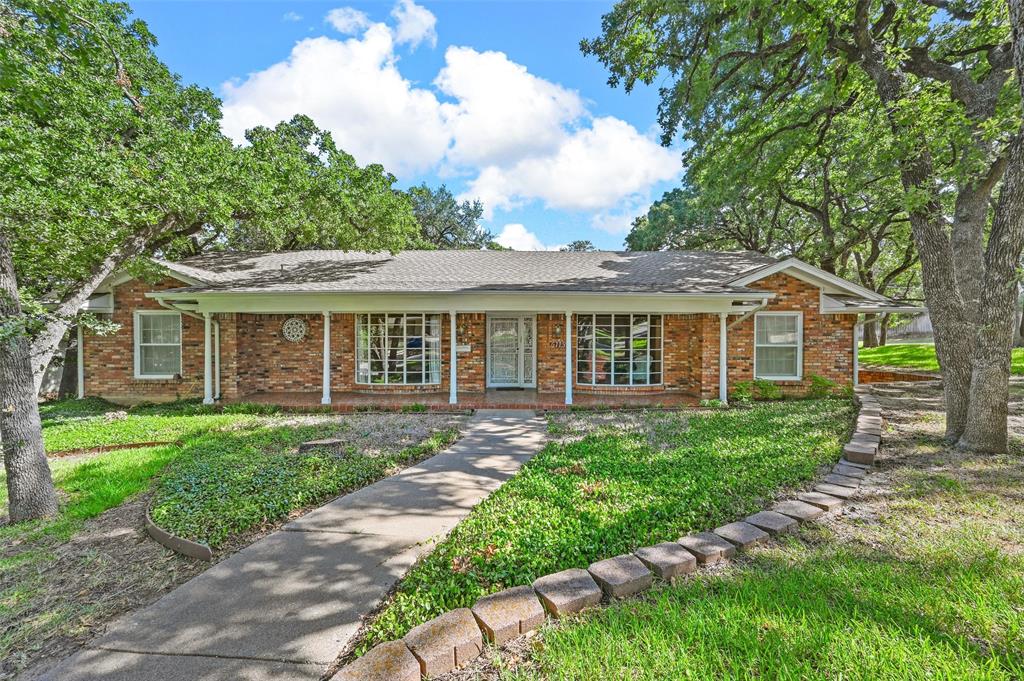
{"x":510,"y":351}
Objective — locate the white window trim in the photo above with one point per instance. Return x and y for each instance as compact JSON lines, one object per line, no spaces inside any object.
{"x":405,"y":317}
{"x":592,"y":383}
{"x":137,"y":330}
{"x":799,"y":346}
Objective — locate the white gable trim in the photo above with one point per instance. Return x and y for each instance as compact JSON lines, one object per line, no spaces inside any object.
{"x":810,"y":274}
{"x":115,"y":280}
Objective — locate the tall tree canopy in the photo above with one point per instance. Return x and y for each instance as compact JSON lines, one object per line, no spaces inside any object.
{"x":741,"y":75}
{"x":106,"y":156}
{"x":579,"y":246}
{"x":446,"y":223}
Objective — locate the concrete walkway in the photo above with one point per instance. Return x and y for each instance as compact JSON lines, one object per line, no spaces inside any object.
{"x":284,"y":607}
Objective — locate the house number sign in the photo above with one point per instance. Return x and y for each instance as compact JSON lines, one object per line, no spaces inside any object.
{"x":557,"y":342}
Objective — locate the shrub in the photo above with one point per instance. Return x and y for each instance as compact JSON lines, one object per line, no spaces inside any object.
{"x":767,"y":390}
{"x":416,"y":408}
{"x":743,"y":391}
{"x":820,"y":387}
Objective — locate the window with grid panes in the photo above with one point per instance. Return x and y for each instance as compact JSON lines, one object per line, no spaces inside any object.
{"x":398,"y":349}
{"x":618,"y":349}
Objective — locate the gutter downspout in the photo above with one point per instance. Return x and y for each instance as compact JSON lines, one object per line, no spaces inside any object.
{"x":744,"y":317}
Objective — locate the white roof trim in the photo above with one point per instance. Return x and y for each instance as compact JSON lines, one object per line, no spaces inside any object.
{"x":810,"y":274}
{"x":122,"y":277}
{"x":830,"y":305}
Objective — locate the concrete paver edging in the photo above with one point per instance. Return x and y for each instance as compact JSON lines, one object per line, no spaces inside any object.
{"x":169,"y":540}
{"x":571,"y":590}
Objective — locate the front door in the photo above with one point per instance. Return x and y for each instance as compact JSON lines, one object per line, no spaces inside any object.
{"x":510,"y":351}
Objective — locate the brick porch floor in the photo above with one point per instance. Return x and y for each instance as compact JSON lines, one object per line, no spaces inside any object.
{"x":492,"y":399}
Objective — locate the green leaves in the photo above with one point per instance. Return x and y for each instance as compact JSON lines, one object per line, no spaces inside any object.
{"x":611,"y":492}
{"x":106,"y":154}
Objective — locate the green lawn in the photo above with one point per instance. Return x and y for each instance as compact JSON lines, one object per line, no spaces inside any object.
{"x":89,"y":423}
{"x":92,"y":484}
{"x":920,"y":356}
{"x":927,"y":585}
{"x":612,"y":492}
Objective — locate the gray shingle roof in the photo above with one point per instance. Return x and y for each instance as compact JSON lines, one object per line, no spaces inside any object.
{"x":464,"y":271}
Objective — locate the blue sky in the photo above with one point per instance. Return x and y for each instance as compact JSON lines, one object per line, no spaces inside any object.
{"x":493,"y":99}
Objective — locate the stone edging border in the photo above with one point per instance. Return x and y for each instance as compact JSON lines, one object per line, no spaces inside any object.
{"x":177,"y":544}
{"x":457,"y":637}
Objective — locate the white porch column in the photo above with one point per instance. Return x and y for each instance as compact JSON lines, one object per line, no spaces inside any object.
{"x":568,"y":357}
{"x":216,"y":359}
{"x":207,"y":359}
{"x":80,"y":353}
{"x":723,"y":359}
{"x":453,"y":371}
{"x":326,"y":396}
{"x":856,"y":352}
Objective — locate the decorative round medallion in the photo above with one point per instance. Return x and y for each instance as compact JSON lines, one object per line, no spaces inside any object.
{"x":294,"y":329}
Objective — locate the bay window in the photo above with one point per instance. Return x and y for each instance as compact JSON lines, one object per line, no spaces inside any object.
{"x":398,"y":349}
{"x":618,"y":349}
{"x":778,"y":346}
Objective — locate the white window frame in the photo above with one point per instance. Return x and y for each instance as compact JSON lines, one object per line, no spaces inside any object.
{"x":365,"y":316}
{"x":579,"y":317}
{"x":799,"y":346}
{"x":137,"y":326}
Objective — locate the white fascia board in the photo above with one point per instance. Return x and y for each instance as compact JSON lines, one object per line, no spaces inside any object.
{"x":121,"y":277}
{"x":283,"y":303}
{"x":810,"y":274}
{"x":873,"y":310}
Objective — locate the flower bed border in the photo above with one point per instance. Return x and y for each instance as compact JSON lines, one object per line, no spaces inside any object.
{"x":457,"y":637}
{"x":185,"y":547}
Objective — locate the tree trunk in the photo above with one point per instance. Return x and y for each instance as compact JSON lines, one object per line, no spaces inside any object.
{"x":954,"y":332}
{"x":989,"y":392}
{"x":870,"y":334}
{"x":29,"y":485}
{"x":883,"y":336}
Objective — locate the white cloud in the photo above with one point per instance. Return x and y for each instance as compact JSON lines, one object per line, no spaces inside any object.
{"x":593,"y":169}
{"x":348,"y":21}
{"x":518,"y":137}
{"x":518,"y":238}
{"x":291,"y":16}
{"x":354,"y":89}
{"x":502,"y":113}
{"x":416,"y":24}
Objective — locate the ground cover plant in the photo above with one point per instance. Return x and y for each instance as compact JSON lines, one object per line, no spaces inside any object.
{"x":225,"y":485}
{"x":920,"y":356}
{"x":923,"y":578}
{"x":620,"y":482}
{"x":61,"y":579}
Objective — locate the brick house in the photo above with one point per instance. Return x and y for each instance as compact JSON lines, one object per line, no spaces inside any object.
{"x":460,"y":327}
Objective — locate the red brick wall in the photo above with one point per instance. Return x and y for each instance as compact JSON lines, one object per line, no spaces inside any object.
{"x":551,"y":352}
{"x":110,"y":360}
{"x":471,"y":330}
{"x":256,"y":358}
{"x":827,"y":339}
